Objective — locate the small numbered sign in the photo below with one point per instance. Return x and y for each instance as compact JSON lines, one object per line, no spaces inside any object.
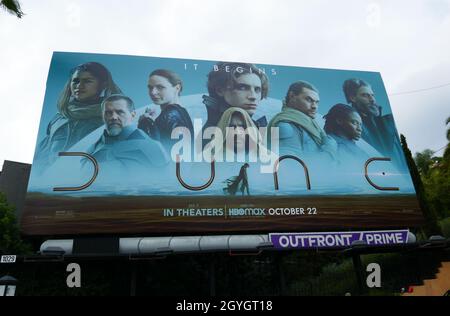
{"x":8,"y":259}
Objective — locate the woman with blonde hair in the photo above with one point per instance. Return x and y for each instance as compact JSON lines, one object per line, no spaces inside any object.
{"x":240,"y":136}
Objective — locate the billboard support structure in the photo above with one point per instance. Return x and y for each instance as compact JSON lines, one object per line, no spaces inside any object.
{"x":358,"y":268}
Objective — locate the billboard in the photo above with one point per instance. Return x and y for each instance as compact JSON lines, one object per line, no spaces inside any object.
{"x":157,"y":146}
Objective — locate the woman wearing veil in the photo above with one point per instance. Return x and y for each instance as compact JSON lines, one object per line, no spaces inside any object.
{"x":240,"y":139}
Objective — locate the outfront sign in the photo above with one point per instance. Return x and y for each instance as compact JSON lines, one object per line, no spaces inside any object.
{"x":338,"y":239}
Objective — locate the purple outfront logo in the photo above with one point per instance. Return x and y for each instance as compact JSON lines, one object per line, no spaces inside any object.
{"x":338,"y":239}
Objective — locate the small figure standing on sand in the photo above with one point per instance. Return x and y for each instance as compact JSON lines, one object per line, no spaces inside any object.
{"x":238,"y":182}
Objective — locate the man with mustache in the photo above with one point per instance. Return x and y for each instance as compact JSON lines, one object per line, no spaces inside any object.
{"x":299,"y":133}
{"x":378,"y":130}
{"x":122,"y":145}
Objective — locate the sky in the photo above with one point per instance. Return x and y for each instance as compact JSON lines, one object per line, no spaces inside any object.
{"x":408,"y":42}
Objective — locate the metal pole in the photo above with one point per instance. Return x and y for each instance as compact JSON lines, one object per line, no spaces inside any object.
{"x":212,"y":277}
{"x":357,"y":265}
{"x":133,"y":279}
{"x":280,"y":272}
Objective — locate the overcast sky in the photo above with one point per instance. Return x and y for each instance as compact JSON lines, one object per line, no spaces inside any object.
{"x":408,"y":42}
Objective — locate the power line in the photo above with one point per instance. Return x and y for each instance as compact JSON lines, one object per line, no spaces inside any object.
{"x":436,"y":151}
{"x":420,"y":90}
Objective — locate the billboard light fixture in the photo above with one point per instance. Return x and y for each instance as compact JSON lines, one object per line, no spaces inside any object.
{"x":356,"y":245}
{"x":265,"y":245}
{"x":252,"y":252}
{"x":146,"y":257}
{"x":53,"y":251}
{"x":244,"y":252}
{"x":359,"y":243}
{"x":164,"y":251}
{"x":8,"y":285}
{"x":435,"y":241}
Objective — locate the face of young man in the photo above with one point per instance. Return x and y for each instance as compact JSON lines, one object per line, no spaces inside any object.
{"x":117,"y":116}
{"x":364,"y":101}
{"x":307,"y":102}
{"x":161,"y":91}
{"x":84,"y":86}
{"x":352,"y":126}
{"x":245,"y":94}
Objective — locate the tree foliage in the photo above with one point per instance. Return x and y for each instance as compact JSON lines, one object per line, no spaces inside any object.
{"x":10,"y":241}
{"x":447,"y":150}
{"x":12,"y":6}
{"x":425,"y":160}
{"x":436,"y":180}
{"x":435,"y":176}
{"x":431,"y":227}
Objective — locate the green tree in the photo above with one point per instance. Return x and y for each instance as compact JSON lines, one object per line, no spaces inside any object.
{"x":12,"y":6}
{"x":437,"y":182}
{"x":435,"y":175}
{"x":447,"y":150}
{"x":10,"y":241}
{"x":431,"y":226}
{"x":437,"y":188}
{"x":424,"y":160}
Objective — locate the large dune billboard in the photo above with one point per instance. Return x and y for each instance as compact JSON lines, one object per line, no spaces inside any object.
{"x":144,"y":145}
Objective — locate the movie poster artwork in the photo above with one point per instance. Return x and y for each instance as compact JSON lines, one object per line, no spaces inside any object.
{"x":157,"y":146}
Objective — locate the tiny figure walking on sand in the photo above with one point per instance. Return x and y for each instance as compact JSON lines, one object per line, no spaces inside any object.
{"x":239,"y":182}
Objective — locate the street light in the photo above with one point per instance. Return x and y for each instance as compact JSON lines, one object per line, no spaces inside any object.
{"x":435,"y":242}
{"x":8,"y":286}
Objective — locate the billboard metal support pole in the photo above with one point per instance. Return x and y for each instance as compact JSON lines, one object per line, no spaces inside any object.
{"x":357,"y":265}
{"x":212,"y":277}
{"x":133,"y":279}
{"x":280,"y":272}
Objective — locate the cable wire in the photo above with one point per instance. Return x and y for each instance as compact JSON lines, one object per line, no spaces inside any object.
{"x":436,"y":151}
{"x":420,"y":90}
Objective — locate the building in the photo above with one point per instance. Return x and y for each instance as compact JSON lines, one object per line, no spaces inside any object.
{"x":14,"y":182}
